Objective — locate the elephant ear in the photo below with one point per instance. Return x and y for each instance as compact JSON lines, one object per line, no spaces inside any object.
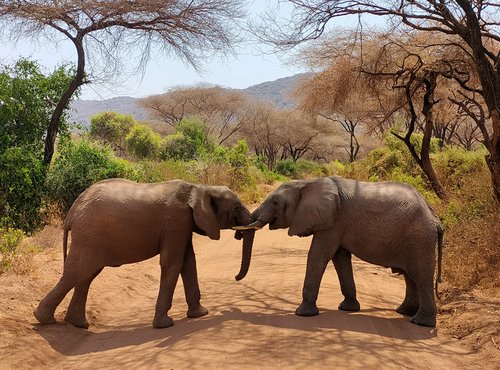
{"x":317,"y":208}
{"x":203,"y":205}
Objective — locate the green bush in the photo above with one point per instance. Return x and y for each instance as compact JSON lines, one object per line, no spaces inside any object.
{"x":153,"y":171}
{"x":111,"y":128}
{"x":22,"y":177}
{"x":226,"y":165}
{"x":27,"y":100}
{"x":301,"y":168}
{"x":9,"y":242}
{"x":393,"y":143}
{"x":79,"y":164}
{"x":286,"y":168}
{"x":456,"y":165}
{"x":143,"y":142}
{"x":189,"y":142}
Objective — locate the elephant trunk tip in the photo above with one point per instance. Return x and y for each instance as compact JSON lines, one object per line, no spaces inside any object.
{"x":240,"y":276}
{"x":248,"y":237}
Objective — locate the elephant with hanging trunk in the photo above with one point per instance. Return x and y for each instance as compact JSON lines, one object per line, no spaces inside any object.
{"x":116,"y":221}
{"x":386,"y":223}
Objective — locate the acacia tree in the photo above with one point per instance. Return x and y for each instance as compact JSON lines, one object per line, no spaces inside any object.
{"x":221,"y":110}
{"x":334,"y":94}
{"x":299,"y":134}
{"x":112,"y":128}
{"x":262,"y":133}
{"x":474,"y":22}
{"x":101,"y":29}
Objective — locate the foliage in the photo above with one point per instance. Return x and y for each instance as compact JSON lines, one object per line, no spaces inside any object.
{"x":78,"y":165}
{"x":111,"y":128}
{"x":22,"y":177}
{"x":158,"y":171}
{"x":227,"y":165}
{"x":9,"y":242}
{"x":189,"y":142}
{"x":143,"y":142}
{"x":455,"y":165}
{"x":302,"y":168}
{"x":27,"y":99}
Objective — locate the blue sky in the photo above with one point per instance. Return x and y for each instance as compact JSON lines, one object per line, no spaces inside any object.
{"x":248,"y":67}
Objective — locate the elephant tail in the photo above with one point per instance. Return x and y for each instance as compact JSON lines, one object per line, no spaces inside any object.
{"x":67,"y":228}
{"x":440,"y":232}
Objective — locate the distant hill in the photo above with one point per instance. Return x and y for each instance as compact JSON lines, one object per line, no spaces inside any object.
{"x":82,"y":110}
{"x":276,"y":92}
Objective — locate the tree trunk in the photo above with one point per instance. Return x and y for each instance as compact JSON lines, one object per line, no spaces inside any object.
{"x":62,"y":105}
{"x":493,"y":159}
{"x":423,"y":160}
{"x":426,"y":164}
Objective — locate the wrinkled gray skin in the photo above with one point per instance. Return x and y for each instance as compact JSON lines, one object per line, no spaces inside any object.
{"x":388,"y":224}
{"x":116,"y":221}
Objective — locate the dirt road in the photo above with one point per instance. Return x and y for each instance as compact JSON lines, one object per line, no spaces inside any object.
{"x":250,"y":324}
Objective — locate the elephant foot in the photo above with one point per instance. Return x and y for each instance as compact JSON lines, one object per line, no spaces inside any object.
{"x":307,"y":309}
{"x":44,"y":317}
{"x":423,"y":320}
{"x":407,"y":310}
{"x":78,"y":321}
{"x":349,"y":305}
{"x":197,"y":311}
{"x":162,"y":321}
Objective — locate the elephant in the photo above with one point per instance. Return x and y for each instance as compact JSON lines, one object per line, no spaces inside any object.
{"x":384,"y":223}
{"x":116,"y":221}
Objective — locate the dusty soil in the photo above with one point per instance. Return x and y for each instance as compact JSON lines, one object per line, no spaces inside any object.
{"x":250,"y":324}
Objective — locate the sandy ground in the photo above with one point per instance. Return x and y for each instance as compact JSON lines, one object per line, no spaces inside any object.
{"x":250,"y":324}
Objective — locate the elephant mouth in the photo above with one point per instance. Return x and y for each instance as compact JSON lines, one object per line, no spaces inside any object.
{"x":256,"y":225}
{"x":272,"y":224}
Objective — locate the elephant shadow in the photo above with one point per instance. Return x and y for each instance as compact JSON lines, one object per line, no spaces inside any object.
{"x":71,"y":341}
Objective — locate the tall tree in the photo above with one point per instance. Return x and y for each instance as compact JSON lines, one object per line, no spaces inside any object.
{"x":221,"y":110}
{"x":334,"y":94}
{"x":476,"y":23}
{"x":102,"y":30}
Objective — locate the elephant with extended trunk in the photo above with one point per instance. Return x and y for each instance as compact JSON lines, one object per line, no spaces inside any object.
{"x":116,"y":221}
{"x":387,"y":223}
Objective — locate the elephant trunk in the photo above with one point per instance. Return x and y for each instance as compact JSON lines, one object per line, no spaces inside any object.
{"x":248,"y":236}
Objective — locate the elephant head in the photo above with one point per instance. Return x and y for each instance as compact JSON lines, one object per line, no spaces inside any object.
{"x":303,"y":207}
{"x":216,"y":208}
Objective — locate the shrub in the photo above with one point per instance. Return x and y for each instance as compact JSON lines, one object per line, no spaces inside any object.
{"x":286,"y":168}
{"x":456,"y":165}
{"x":300,"y":169}
{"x":189,"y":142}
{"x":22,"y":176}
{"x":112,"y":128}
{"x":9,"y":242}
{"x":143,"y":142}
{"x":27,"y":100}
{"x":79,"y":164}
{"x":152,"y":171}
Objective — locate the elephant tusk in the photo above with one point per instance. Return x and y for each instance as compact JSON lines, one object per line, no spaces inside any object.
{"x":257,"y":225}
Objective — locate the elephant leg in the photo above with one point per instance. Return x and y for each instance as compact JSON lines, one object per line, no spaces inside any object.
{"x":191,"y":287}
{"x":171,"y":261}
{"x":343,"y":266}
{"x":44,"y":313}
{"x":317,"y":259}
{"x":76,"y":309}
{"x":409,"y":307}
{"x":426,"y":314}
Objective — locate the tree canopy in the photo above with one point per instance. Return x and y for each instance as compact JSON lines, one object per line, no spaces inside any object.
{"x":102,"y":31}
